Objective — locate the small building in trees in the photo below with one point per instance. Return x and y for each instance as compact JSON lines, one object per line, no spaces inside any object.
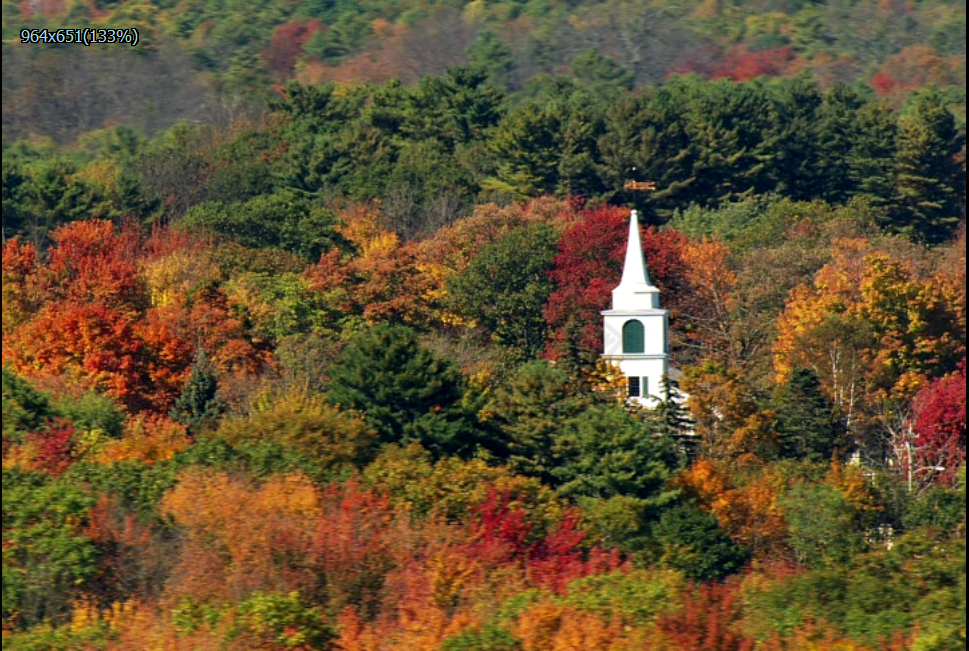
{"x":636,"y":329}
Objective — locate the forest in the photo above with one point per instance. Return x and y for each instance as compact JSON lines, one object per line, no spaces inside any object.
{"x":302,"y":334}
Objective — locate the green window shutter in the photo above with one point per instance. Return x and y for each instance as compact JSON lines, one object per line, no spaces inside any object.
{"x":633,"y":338}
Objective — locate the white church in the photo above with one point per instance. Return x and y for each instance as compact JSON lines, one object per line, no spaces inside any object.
{"x":636,"y":328}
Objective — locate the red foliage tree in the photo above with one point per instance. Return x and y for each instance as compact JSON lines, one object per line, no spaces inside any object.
{"x":940,"y":424}
{"x":883,"y":84}
{"x":502,"y":535}
{"x":91,"y":261}
{"x":19,"y":259}
{"x":92,"y":342}
{"x":54,"y":447}
{"x":914,"y":67}
{"x":286,"y":44}
{"x":351,"y":546}
{"x":85,"y":315}
{"x":707,"y":621}
{"x":588,"y":267}
{"x":741,"y":65}
{"x":501,"y":532}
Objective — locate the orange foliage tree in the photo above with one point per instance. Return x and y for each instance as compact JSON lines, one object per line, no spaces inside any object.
{"x":242,"y":537}
{"x":914,"y":67}
{"x":747,"y":507}
{"x":868,"y":326}
{"x":87,"y":314}
{"x":707,"y":307}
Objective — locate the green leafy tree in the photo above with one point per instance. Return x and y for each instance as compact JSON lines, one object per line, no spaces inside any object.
{"x":281,"y":621}
{"x":283,"y":220}
{"x":506,"y":286}
{"x":405,"y":392}
{"x":822,"y":525}
{"x":46,"y":560}
{"x":93,"y":412}
{"x":487,"y":638}
{"x":939,"y":507}
{"x":690,"y":540}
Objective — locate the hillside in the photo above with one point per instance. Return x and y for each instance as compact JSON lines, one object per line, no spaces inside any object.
{"x":215,"y":61}
{"x":302,"y":329}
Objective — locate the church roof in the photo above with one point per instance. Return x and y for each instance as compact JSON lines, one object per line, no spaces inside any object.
{"x":635,"y":291}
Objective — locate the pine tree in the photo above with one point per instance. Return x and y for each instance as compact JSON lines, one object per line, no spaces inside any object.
{"x":835,"y":133}
{"x":492,"y":55}
{"x":809,"y":425}
{"x":530,"y":411}
{"x":671,"y":418}
{"x":872,"y":157}
{"x":199,"y":404}
{"x":927,"y":176}
{"x":405,"y":391}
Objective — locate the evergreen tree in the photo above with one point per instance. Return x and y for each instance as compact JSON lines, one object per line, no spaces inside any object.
{"x":549,"y":145}
{"x":927,"y":177}
{"x":606,"y":453}
{"x":601,"y":74}
{"x":13,"y":189}
{"x":25,"y":409}
{"x":492,"y":55}
{"x":809,"y":425}
{"x":405,"y":392}
{"x":646,"y":140}
{"x":789,"y":151}
{"x":199,"y":404}
{"x":530,"y":411}
{"x":671,"y":418}
{"x":456,"y":109}
{"x":872,"y":157}
{"x":836,"y":134}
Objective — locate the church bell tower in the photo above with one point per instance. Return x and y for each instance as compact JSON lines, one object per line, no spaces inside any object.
{"x":636,"y":328}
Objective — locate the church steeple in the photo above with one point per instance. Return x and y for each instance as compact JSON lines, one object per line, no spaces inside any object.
{"x":635,"y":291}
{"x":635,"y":329}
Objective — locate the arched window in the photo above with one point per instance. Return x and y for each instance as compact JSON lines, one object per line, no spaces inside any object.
{"x":633,"y":338}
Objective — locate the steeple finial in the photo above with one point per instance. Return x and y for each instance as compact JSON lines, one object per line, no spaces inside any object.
{"x":635,"y":291}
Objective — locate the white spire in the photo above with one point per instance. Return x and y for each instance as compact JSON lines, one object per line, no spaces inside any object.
{"x":635,"y":291}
